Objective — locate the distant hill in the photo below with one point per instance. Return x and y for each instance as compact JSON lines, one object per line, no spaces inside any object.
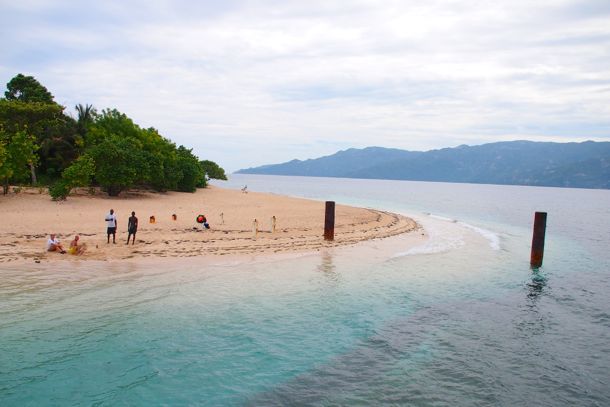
{"x":574,"y":165}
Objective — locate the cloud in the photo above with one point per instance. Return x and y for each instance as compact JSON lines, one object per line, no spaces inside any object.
{"x":253,"y":82}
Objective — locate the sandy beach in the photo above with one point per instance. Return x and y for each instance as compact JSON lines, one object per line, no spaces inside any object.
{"x":30,"y":216}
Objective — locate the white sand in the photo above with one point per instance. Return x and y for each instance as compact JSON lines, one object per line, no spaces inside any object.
{"x":29,"y":217}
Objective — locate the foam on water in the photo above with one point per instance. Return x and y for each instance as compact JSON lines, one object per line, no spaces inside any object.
{"x":436,"y":244}
{"x":447,"y":234}
{"x":439,"y":217}
{"x":492,"y":238}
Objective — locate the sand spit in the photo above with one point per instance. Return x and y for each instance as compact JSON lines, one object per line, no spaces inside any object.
{"x":29,"y":217}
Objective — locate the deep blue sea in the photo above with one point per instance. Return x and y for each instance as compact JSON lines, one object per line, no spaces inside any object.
{"x":458,"y":320}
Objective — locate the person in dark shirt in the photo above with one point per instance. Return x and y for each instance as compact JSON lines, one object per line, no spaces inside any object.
{"x":132,"y":227}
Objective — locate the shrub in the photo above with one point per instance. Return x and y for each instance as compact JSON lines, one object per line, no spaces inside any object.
{"x":79,"y":174}
{"x":59,"y":191}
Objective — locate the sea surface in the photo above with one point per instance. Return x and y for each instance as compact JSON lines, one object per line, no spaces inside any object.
{"x":458,"y":320}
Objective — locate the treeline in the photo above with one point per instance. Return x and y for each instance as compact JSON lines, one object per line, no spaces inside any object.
{"x":42,"y":145}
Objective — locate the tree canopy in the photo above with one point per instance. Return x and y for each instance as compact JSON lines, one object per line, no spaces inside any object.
{"x":104,"y":149}
{"x":17,"y":153}
{"x":27,"y":89}
{"x":53,"y":129}
{"x":213,"y":170}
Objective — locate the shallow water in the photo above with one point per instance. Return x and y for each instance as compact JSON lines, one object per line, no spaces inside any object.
{"x":457,"y":320}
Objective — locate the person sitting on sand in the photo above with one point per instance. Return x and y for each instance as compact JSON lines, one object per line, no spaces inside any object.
{"x":53,"y":244}
{"x":204,"y":222}
{"x":75,"y":248}
{"x":132,"y":228}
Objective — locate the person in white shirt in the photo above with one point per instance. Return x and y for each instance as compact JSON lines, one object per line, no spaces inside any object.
{"x":111,"y":224}
{"x":53,"y":244}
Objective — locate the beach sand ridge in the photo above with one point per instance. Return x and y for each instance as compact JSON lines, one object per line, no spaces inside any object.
{"x":29,"y":218}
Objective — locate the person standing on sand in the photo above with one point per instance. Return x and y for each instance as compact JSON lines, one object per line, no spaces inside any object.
{"x":53,"y":244}
{"x":111,"y":224}
{"x":132,"y":228}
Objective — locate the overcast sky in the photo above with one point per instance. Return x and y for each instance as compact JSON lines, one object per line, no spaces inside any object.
{"x":246,"y":83}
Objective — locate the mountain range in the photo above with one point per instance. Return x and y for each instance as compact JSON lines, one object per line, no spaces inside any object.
{"x":574,"y":165}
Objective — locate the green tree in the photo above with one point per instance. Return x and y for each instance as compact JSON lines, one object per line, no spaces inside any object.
{"x":78,"y":174}
{"x":162,"y":166}
{"x":85,"y":116}
{"x":27,"y":89}
{"x":59,"y":147}
{"x":59,"y":191}
{"x":81,"y":171}
{"x":110,"y":145}
{"x":119,"y":163}
{"x":19,"y":155}
{"x":123,"y":153}
{"x":55,"y":132}
{"x":164,"y":171}
{"x":213,"y":170}
{"x":3,"y":153}
{"x":111,"y":122}
{"x":192,"y":173}
{"x":38,"y":117}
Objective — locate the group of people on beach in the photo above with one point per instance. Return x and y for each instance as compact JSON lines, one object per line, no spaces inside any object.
{"x":76,"y":248}
{"x":111,"y":226}
{"x":54,"y":245}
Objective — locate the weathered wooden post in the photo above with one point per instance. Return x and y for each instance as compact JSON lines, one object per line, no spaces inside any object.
{"x":273,"y":222}
{"x":254,"y":229}
{"x":329,"y":221}
{"x":538,"y":239}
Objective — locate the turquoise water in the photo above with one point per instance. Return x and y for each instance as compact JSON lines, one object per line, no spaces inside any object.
{"x":457,"y":320}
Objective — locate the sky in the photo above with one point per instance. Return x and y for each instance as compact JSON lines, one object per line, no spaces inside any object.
{"x":247,"y":83}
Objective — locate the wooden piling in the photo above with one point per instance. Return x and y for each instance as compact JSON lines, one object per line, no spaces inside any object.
{"x":329,"y":221}
{"x":538,"y":239}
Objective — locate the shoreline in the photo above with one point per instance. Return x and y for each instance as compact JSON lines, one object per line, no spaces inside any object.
{"x":31,"y":216}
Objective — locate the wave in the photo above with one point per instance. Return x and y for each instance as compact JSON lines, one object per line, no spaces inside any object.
{"x":442,"y":239}
{"x":433,"y":246}
{"x":492,"y":238}
{"x":441,"y":218}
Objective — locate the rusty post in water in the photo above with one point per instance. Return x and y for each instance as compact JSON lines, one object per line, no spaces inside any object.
{"x":329,"y":221}
{"x":538,"y":239}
